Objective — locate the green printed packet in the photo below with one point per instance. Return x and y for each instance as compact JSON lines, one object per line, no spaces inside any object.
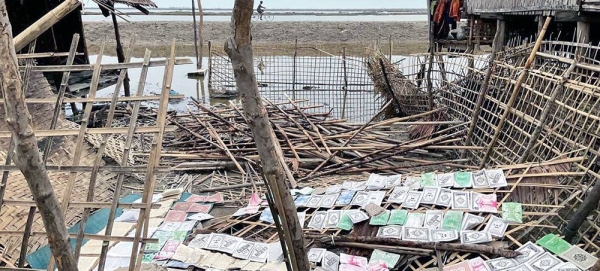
{"x":554,"y":244}
{"x":148,"y":257}
{"x":462,"y":179}
{"x":381,"y":219}
{"x":398,"y":217}
{"x":452,"y":220}
{"x":345,"y":222}
{"x":512,"y":211}
{"x":428,"y":179}
{"x":390,"y":259}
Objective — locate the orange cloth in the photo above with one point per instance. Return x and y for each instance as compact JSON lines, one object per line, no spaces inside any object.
{"x":455,"y":10}
{"x":438,"y":15}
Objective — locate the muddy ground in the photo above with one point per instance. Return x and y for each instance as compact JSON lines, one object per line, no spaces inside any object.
{"x":407,"y":37}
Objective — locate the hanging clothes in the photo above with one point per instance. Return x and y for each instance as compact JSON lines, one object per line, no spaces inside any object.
{"x":438,"y":16}
{"x":455,"y":10}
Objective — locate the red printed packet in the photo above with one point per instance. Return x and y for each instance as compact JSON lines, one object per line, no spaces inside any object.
{"x":463,"y":266}
{"x":216,"y":198}
{"x":200,"y":208}
{"x":196,"y":198}
{"x":176,"y":216}
{"x":182,"y":206}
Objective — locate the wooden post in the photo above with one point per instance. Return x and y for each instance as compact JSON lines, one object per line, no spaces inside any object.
{"x":294,"y":69}
{"x":583,"y":36}
{"x":589,"y":204}
{"x":501,"y":30}
{"x":239,"y":49}
{"x":345,"y":83}
{"x":200,"y":34}
{"x":47,"y":21}
{"x":198,"y":61}
{"x":515,"y":92}
{"x":120,"y":54}
{"x":27,"y":154}
{"x":431,"y":53}
{"x":391,"y":43}
{"x":210,"y":71}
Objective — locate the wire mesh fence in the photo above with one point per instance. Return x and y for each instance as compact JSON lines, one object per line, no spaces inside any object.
{"x":339,"y":82}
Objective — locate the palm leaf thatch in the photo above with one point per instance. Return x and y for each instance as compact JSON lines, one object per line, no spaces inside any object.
{"x":539,"y":194}
{"x":392,"y":85}
{"x":108,"y":6}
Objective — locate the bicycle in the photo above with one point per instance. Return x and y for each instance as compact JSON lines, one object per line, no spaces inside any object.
{"x":265,"y":17}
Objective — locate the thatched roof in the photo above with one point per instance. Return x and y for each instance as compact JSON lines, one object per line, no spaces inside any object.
{"x":108,"y":5}
{"x":13,"y":218}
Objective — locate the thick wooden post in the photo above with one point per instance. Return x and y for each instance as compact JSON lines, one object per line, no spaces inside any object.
{"x":431,"y":53}
{"x":501,"y":30}
{"x":27,"y":154}
{"x":120,"y":54}
{"x":239,"y":49}
{"x":41,"y":25}
{"x":200,"y":34}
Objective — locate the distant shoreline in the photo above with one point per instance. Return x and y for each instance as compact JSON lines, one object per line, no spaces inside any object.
{"x":275,"y":13}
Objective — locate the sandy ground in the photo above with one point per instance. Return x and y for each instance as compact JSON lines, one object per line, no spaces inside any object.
{"x":407,"y":37}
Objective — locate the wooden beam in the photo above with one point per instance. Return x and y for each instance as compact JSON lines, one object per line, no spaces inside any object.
{"x":105,"y":67}
{"x":40,"y":26}
{"x":94,"y":131}
{"x":27,"y":154}
{"x":96,"y":99}
{"x":239,"y":49}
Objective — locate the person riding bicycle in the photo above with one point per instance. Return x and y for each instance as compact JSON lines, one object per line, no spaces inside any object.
{"x":261,"y":10}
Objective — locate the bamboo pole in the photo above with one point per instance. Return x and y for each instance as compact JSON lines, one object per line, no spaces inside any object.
{"x":200,"y":34}
{"x":196,"y":28}
{"x":27,"y":155}
{"x":515,"y":92}
{"x":482,"y":92}
{"x":431,"y":53}
{"x":40,"y":26}
{"x":120,"y":54}
{"x":239,"y":49}
{"x":345,"y":83}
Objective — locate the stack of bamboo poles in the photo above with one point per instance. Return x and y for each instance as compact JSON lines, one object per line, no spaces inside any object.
{"x":312,"y":144}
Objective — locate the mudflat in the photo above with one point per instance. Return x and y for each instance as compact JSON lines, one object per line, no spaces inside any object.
{"x":407,"y":37}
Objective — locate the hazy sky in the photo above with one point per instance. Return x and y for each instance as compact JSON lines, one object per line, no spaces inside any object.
{"x":301,"y":4}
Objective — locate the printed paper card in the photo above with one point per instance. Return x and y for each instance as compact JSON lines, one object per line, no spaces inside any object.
{"x":176,"y":216}
{"x":554,"y":244}
{"x":475,"y":237}
{"x":452,"y":220}
{"x":393,"y":181}
{"x":496,"y":178}
{"x":416,"y":234}
{"x":445,"y":179}
{"x":317,"y":220}
{"x":428,"y":179}
{"x":398,"y":217}
{"x":433,"y":219}
{"x":275,"y":252}
{"x":345,"y":198}
{"x":480,"y":179}
{"x":470,"y":221}
{"x":413,"y":199}
{"x":182,"y":206}
{"x":353,"y":260}
{"x":328,"y":201}
{"x":381,"y":219}
{"x":512,"y":211}
{"x":460,"y":200}
{"x":414,"y":183}
{"x":200,"y":208}
{"x":345,"y":222}
{"x":415,"y":220}
{"x":315,"y":254}
{"x":332,"y":219}
{"x":375,"y":197}
{"x":215,"y":198}
{"x":463,"y":180}
{"x":444,"y":198}
{"x":443,"y":235}
{"x":390,"y":259}
{"x":302,"y":200}
{"x":399,"y":194}
{"x":528,"y":251}
{"x":334,"y":189}
{"x":259,"y":253}
{"x":484,"y":203}
{"x":496,"y":226}
{"x":462,"y":266}
{"x":267,"y":216}
{"x":545,"y":262}
{"x":501,"y":263}
{"x":430,"y":195}
{"x":478,"y":264}
{"x":358,"y":216}
{"x":376,"y":182}
{"x":330,"y":261}
{"x":314,"y":201}
{"x":360,"y":198}
{"x":579,"y":257}
{"x":390,"y":232}
{"x":243,"y":249}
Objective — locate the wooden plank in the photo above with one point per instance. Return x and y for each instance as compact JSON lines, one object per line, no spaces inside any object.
{"x":114,"y":169}
{"x":96,"y":205}
{"x":94,"y":131}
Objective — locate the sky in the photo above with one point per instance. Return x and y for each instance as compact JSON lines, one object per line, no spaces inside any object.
{"x":304,"y":4}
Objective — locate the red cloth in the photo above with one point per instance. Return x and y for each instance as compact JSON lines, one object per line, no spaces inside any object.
{"x":455,"y":10}
{"x":438,"y":15}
